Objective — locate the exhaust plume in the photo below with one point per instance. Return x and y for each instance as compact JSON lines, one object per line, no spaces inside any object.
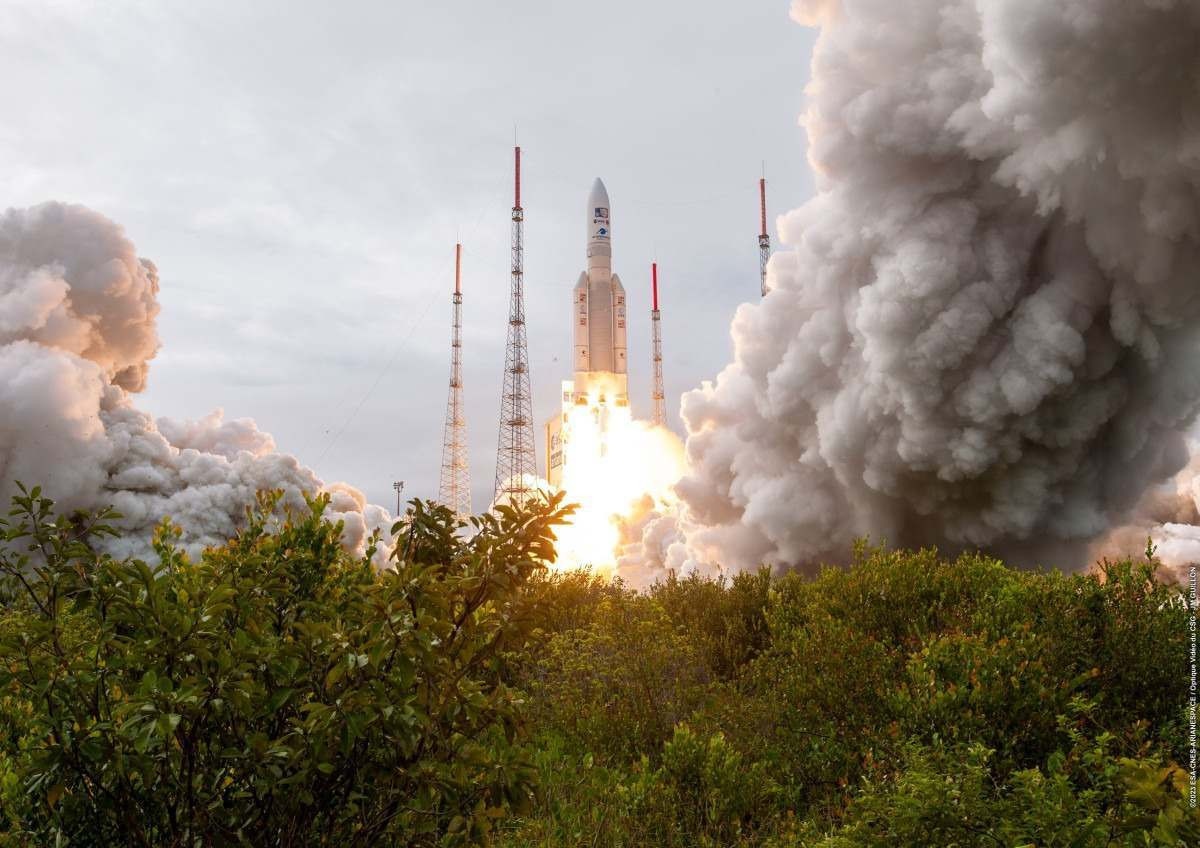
{"x":983,"y":331}
{"x":77,"y":332}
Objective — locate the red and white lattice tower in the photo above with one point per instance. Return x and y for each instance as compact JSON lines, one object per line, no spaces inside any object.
{"x":659,"y":396}
{"x":516,"y":460}
{"x":764,"y":240}
{"x":455,"y":488}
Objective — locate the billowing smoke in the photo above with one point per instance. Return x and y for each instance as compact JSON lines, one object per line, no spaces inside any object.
{"x":77,"y":331}
{"x":983,"y":328}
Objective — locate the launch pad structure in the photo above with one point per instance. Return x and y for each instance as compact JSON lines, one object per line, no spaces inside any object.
{"x":600,"y":383}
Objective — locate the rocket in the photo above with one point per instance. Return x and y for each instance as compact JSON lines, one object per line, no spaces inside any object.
{"x":599,"y":311}
{"x":601,"y":381}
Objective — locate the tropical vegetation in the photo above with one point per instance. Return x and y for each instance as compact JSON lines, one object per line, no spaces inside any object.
{"x":278,"y":691}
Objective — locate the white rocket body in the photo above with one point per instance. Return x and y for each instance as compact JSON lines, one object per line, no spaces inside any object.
{"x":598,"y":317}
{"x":599,"y":311}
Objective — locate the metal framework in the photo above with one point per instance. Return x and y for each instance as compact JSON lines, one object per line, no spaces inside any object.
{"x":764,"y":240}
{"x":516,"y":458}
{"x":659,"y":396}
{"x":455,"y":488}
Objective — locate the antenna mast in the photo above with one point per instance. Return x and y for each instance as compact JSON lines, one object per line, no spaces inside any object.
{"x":516,"y":462}
{"x":455,"y":488}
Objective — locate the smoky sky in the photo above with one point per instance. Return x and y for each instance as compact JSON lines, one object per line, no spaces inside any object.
{"x":985,"y":330}
{"x":299,"y":173}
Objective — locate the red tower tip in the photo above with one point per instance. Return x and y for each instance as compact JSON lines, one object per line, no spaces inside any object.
{"x":517,"y":179}
{"x":654,"y":282}
{"x":762,"y":206}
{"x":458,"y":269}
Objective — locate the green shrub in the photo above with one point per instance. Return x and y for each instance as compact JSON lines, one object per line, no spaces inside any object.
{"x":1087,"y":797}
{"x":702,"y":793}
{"x":619,"y":685}
{"x":909,"y":646}
{"x":814,"y":708}
{"x":725,"y":619}
{"x":276,"y":691}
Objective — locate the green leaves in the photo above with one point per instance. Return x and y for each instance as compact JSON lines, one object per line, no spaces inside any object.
{"x":275,"y":686}
{"x":619,"y":682}
{"x":907,"y":700}
{"x":278,"y":689}
{"x":277,"y":699}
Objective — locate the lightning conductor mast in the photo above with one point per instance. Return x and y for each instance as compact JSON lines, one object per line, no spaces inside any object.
{"x":659,"y":395}
{"x":454,"y":490}
{"x":516,"y":460}
{"x":764,"y":240}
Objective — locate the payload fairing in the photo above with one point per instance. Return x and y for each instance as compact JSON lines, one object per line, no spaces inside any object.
{"x":600,"y":361}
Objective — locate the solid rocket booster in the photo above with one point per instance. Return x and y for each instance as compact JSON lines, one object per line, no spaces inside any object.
{"x":599,"y":306}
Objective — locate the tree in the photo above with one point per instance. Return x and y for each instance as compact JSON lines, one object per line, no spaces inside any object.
{"x":276,"y":691}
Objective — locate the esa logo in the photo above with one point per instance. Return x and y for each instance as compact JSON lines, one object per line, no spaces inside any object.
{"x":602,"y":232}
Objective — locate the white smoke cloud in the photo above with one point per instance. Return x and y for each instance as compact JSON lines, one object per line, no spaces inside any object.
{"x":983,"y":331}
{"x":77,"y":331}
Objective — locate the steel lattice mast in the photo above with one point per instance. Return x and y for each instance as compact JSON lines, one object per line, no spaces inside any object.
{"x":455,"y":488}
{"x":764,"y":240}
{"x":516,"y":460}
{"x":659,"y":396}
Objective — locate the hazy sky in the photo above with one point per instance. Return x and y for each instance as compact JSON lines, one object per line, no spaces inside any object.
{"x":300,"y":171}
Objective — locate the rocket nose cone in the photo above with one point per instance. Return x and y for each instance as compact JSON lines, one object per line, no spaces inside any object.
{"x":599,"y":195}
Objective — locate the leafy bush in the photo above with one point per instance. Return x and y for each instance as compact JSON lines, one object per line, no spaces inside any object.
{"x":701,"y":794}
{"x":910,"y":699}
{"x":276,"y":691}
{"x":725,"y":619}
{"x":911,"y":646}
{"x":618,"y":685}
{"x":1086,"y":797}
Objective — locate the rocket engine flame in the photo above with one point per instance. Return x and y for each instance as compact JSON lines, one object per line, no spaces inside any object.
{"x":613,"y":464}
